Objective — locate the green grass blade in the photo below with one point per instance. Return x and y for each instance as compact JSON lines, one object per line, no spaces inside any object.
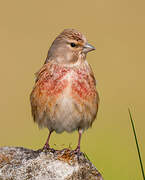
{"x":86,"y":156}
{"x":137,"y":145}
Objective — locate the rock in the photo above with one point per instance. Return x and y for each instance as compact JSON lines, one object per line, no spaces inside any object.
{"x":17,"y":163}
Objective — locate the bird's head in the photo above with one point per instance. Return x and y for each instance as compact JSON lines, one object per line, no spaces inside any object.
{"x":69,"y":47}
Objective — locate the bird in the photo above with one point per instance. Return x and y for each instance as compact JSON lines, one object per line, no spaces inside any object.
{"x":64,"y":96}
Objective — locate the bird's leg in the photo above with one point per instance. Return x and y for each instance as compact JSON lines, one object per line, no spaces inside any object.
{"x":77,"y":150}
{"x":46,"y":146}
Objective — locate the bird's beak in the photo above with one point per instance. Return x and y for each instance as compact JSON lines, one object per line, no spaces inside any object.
{"x":88,"y":47}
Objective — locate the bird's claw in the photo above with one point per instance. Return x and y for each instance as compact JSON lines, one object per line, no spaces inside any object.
{"x":47,"y":148}
{"x":77,"y":151}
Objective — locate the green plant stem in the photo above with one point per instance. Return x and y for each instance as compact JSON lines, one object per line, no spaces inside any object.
{"x":137,"y":145}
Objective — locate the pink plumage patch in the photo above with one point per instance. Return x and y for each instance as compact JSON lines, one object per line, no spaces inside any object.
{"x":83,"y":85}
{"x":52,"y":81}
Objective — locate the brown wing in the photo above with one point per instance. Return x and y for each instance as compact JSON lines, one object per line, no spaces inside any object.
{"x":38,"y":96}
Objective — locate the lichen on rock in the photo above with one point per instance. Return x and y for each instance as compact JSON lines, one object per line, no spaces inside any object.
{"x":17,"y":163}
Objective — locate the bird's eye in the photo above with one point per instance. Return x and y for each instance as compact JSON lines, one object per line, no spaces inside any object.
{"x":73,"y":44}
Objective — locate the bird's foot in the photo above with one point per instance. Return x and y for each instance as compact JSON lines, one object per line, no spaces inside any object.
{"x":77,"y":151}
{"x":47,"y":148}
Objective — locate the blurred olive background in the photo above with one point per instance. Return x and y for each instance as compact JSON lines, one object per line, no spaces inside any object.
{"x":117,"y":29}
